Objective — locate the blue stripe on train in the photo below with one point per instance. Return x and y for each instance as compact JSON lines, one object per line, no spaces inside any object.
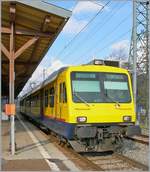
{"x":59,"y":127}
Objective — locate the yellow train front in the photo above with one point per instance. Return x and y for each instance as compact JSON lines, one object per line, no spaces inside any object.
{"x":89,"y":106}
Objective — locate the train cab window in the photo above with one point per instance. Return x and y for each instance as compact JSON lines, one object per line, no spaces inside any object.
{"x":63,"y":94}
{"x":51,"y":92}
{"x":46,"y":98}
{"x":100,"y":87}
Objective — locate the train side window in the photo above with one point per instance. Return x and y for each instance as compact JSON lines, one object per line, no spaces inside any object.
{"x":64,"y":93}
{"x":52,"y":97}
{"x":46,"y":98}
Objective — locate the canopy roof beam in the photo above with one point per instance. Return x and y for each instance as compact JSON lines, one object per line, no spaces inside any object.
{"x":20,"y":63}
{"x":6,"y":30}
{"x":25,"y":46}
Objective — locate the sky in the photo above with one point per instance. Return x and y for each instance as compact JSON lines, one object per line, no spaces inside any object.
{"x":96,"y":29}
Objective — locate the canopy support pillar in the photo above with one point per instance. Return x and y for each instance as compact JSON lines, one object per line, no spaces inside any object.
{"x":12,"y":56}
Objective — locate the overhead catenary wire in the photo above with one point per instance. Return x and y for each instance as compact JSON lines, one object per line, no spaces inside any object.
{"x":94,"y":2}
{"x":91,"y":20}
{"x":93,"y":34}
{"x":114,"y":40}
{"x":99,"y":24}
{"x":104,"y":37}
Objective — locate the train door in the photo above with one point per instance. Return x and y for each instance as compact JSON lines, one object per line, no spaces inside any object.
{"x":58,"y":103}
{"x":61,"y":100}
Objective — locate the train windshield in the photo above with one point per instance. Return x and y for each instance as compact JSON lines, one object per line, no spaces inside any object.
{"x":100,"y":87}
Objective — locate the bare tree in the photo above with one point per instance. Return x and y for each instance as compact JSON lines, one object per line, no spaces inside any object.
{"x":120,"y":54}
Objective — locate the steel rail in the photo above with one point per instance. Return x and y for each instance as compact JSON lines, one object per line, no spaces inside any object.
{"x":116,"y":161}
{"x":132,"y":162}
{"x":139,"y":139}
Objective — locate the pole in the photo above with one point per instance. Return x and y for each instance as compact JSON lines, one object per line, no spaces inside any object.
{"x":147,"y":65}
{"x":11,"y":88}
{"x":11,"y":100}
{"x":149,"y":58}
{"x":0,"y":121}
{"x":134,"y":55}
{"x":0,"y":110}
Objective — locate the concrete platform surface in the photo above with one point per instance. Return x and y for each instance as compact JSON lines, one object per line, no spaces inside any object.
{"x":35,"y":151}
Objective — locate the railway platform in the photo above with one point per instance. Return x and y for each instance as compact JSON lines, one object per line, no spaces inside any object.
{"x":34,"y":150}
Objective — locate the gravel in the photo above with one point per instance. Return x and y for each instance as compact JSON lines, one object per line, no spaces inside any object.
{"x":136,"y":151}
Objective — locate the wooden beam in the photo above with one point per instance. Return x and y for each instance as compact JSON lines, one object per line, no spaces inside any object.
{"x":20,"y":62}
{"x":5,"y":51}
{"x":46,"y":22}
{"x":25,"y":46}
{"x":6,"y":30}
{"x":31,"y":33}
{"x":12,"y":12}
{"x":11,"y":42}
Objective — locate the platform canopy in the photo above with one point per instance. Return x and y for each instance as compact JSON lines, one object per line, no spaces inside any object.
{"x":36,"y":26}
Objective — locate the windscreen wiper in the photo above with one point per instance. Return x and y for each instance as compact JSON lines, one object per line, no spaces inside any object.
{"x":84,"y":101}
{"x":111,"y":99}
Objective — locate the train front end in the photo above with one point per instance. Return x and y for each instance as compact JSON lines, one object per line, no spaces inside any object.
{"x":101,"y":106}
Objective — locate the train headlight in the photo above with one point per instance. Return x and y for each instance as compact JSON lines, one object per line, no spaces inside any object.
{"x":81,"y":119}
{"x":127,"y":118}
{"x":99,"y":62}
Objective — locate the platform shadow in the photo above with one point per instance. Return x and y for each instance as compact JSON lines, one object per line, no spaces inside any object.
{"x":31,"y":146}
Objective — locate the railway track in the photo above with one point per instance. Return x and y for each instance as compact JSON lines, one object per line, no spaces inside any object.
{"x":106,"y":161}
{"x":115,"y":162}
{"x":95,"y":161}
{"x":144,"y":139}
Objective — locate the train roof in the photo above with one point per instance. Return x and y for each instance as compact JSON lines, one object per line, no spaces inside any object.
{"x":86,"y":67}
{"x":49,"y":79}
{"x":97,"y":68}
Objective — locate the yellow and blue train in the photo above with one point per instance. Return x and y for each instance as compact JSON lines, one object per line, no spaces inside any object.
{"x":90,"y":106}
